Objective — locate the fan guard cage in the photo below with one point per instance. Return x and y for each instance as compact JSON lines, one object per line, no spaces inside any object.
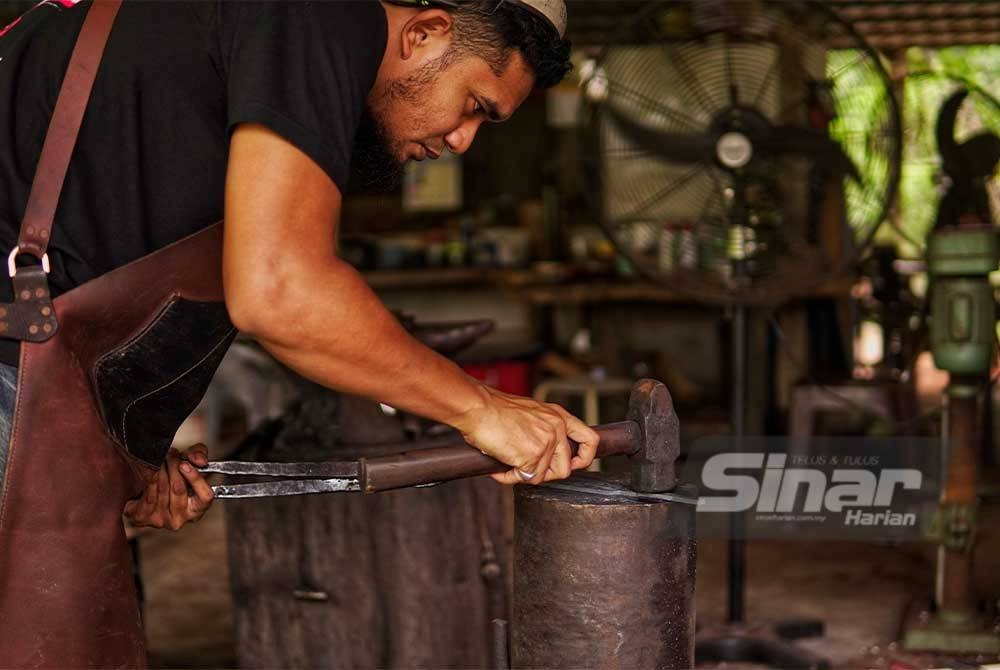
{"x":748,"y":235}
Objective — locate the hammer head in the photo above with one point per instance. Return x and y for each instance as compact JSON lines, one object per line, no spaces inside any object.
{"x":651,"y":406}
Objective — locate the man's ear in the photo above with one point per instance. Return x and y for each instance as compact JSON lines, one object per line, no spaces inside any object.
{"x":423,"y":27}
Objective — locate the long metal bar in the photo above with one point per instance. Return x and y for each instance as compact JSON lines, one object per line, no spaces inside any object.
{"x":285,"y":487}
{"x":328,"y":469}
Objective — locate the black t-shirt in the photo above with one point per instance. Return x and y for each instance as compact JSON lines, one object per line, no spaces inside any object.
{"x":149,"y":166}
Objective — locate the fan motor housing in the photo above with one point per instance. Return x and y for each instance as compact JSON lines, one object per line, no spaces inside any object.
{"x":960,"y":260}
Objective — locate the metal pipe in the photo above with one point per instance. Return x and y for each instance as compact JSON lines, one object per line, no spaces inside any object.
{"x":737,"y":548}
{"x":955,"y":592}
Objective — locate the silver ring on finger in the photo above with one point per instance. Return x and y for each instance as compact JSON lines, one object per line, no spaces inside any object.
{"x":525,"y":476}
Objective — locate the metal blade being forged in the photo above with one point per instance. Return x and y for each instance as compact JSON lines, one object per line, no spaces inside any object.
{"x":288,"y":487}
{"x":328,"y":469}
{"x":609,"y":490}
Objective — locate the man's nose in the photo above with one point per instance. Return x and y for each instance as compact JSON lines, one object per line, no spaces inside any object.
{"x":459,"y":140}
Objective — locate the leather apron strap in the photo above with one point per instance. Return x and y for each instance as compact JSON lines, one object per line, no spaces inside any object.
{"x":97,"y":406}
{"x":31,"y":316}
{"x":67,"y":596}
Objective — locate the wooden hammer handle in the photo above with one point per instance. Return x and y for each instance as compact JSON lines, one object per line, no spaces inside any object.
{"x":440,"y":464}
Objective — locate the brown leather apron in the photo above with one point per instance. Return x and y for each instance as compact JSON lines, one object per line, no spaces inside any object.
{"x":107,"y":373}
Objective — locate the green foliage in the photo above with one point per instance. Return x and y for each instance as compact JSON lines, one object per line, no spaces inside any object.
{"x":978,"y":64}
{"x":935,"y":74}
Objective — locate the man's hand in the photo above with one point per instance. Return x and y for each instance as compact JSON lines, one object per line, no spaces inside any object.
{"x":167,"y":502}
{"x":529,"y":435}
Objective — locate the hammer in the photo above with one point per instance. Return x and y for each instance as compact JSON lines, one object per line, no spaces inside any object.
{"x":649,"y":437}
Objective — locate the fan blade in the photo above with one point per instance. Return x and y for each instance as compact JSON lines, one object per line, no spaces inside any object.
{"x":677,"y":148}
{"x":813,"y":143}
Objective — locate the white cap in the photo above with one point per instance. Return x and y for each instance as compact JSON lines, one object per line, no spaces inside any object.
{"x":554,"y":11}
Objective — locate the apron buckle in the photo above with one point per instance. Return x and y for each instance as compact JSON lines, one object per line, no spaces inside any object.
{"x":12,"y":265}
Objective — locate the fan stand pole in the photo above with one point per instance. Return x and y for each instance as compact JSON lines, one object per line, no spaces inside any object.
{"x":737,"y":527}
{"x":737,"y":641}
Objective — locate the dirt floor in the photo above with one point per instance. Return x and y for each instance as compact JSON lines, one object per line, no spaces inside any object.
{"x":859,"y":590}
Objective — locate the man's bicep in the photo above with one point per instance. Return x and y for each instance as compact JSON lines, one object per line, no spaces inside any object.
{"x":281,"y":212}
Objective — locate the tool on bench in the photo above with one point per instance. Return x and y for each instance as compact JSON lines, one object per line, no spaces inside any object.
{"x":649,"y":437}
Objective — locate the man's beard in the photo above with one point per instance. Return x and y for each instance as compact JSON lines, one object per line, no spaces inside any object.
{"x":373,"y":160}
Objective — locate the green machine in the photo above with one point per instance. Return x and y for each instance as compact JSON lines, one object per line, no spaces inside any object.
{"x":962,"y":252}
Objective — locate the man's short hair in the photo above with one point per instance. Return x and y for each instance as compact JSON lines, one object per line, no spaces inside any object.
{"x":494,"y":32}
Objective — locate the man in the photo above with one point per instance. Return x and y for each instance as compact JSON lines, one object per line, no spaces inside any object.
{"x":254,"y":111}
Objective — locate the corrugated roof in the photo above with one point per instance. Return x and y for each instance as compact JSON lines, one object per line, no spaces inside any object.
{"x":891,"y":25}
{"x":885,"y":24}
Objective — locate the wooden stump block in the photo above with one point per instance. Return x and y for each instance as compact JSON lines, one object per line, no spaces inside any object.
{"x":392,"y":580}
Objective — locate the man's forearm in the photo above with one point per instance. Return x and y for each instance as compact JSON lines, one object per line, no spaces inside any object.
{"x":344,"y":338}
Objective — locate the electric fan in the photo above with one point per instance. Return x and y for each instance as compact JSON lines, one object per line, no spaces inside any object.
{"x":739,"y":152}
